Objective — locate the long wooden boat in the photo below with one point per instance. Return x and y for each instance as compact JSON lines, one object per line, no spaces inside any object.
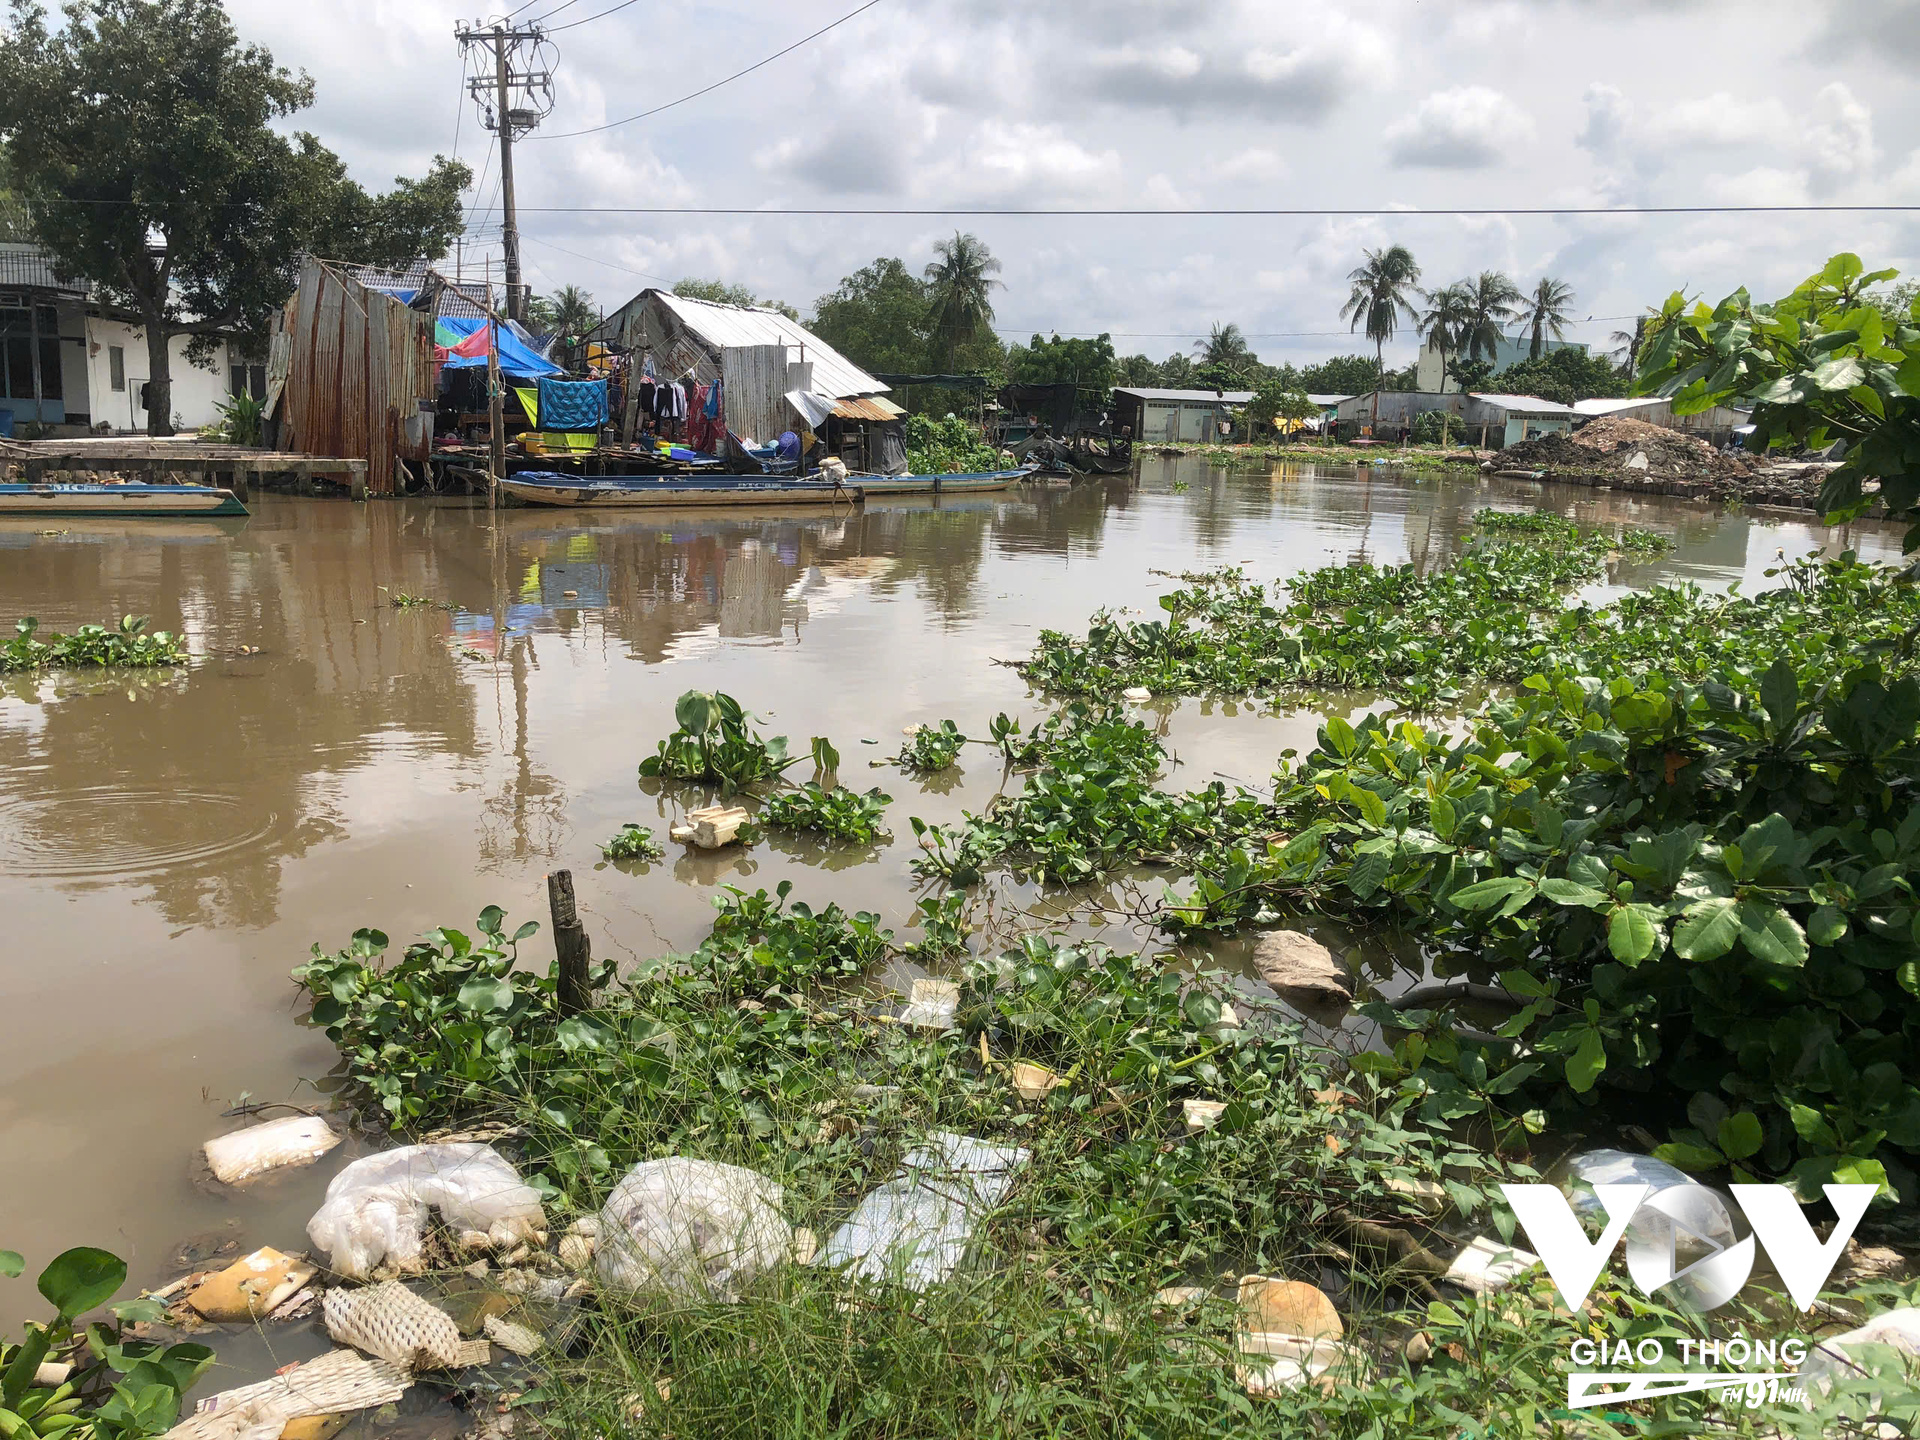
{"x":879,"y":486}
{"x":131,"y":500}
{"x":612,"y":492}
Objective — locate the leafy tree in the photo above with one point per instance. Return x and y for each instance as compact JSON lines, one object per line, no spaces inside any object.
{"x":1544,"y":313}
{"x":879,"y":318}
{"x":1136,"y":371}
{"x":961,"y":288}
{"x":721,"y":293}
{"x":1444,"y":321}
{"x":1824,"y":364}
{"x":1627,"y":345}
{"x":1226,"y":346}
{"x":140,"y":136}
{"x":1089,"y":364}
{"x":15,"y":224}
{"x":1274,"y":402}
{"x":1342,"y":375}
{"x":1564,"y":376}
{"x":569,"y":311}
{"x":1491,"y":301}
{"x":1378,"y":299}
{"x":1177,"y":373}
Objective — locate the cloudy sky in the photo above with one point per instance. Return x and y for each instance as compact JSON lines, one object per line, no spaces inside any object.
{"x":1172,"y":105}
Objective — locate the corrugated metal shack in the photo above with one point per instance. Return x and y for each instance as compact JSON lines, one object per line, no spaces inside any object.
{"x":1492,"y":420}
{"x":760,"y":356}
{"x":355,"y":366}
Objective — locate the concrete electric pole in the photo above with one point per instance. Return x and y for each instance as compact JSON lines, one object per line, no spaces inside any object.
{"x":513,"y":101}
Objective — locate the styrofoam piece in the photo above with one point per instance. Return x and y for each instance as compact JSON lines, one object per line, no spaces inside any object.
{"x":1486,"y":1265}
{"x":915,"y":1228}
{"x":931,"y":1005}
{"x":276,"y":1145}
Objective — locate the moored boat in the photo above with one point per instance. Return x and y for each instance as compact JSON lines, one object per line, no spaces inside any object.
{"x":635,"y":491}
{"x":132,"y":500}
{"x":879,"y":486}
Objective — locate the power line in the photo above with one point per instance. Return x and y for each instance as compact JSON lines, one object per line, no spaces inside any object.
{"x":1399,"y":214}
{"x":542,"y":19}
{"x":576,"y":24}
{"x":708,"y":90}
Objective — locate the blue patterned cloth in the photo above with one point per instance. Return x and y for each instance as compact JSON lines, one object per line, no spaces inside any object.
{"x":573,"y":404}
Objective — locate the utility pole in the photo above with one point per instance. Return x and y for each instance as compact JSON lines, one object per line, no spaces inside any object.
{"x":513,"y":101}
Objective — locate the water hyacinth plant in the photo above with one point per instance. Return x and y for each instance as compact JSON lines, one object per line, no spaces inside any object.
{"x":127,"y":644}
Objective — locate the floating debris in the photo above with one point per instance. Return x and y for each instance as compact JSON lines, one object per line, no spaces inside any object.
{"x":252,"y":1288}
{"x":276,"y":1145}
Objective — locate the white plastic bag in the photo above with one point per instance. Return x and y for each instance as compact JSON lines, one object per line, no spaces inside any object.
{"x":376,"y":1208}
{"x":691,"y":1228}
{"x":243,"y":1154}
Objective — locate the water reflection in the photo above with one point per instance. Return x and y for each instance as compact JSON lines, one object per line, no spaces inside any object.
{"x":175,"y":842}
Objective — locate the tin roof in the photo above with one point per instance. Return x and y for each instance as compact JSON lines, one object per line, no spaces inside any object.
{"x":1524,"y":404}
{"x":1323,"y":401}
{"x":28,"y":267}
{"x":1206,"y":397}
{"x":728,"y":327}
{"x":869,"y":408}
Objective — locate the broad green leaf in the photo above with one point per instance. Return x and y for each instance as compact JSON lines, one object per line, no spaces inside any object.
{"x":81,"y":1278}
{"x":1566,"y":892}
{"x":1843,"y":372}
{"x":1707,"y":929}
{"x":11,"y":1264}
{"x":1633,"y":933}
{"x":1587,"y":1061}
{"x":1690,"y":1157}
{"x":1372,"y":808}
{"x":1771,"y":934}
{"x":1368,"y":872}
{"x":1484,"y":894}
{"x":484,"y":993}
{"x":1812,"y":1127}
{"x":1828,"y":926}
{"x":1740,"y":1135}
{"x":695,"y":712}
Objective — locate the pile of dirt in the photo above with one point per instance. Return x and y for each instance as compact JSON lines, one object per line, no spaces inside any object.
{"x":1619,"y":453}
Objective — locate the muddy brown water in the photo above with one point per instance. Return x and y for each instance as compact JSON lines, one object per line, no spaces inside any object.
{"x":171,"y":844}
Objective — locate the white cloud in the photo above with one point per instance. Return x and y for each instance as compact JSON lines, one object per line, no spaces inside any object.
{"x":1466,"y":128}
{"x":1722,"y":119}
{"x":1609,"y":117}
{"x":1839,"y":138}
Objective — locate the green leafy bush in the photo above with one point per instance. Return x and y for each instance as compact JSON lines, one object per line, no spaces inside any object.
{"x":634,"y":842}
{"x":714,"y":744}
{"x":931,"y":748}
{"x":948,"y":446}
{"x":838,"y":812}
{"x":128,"y":644}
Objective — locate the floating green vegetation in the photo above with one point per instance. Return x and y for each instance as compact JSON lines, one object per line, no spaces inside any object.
{"x":402,"y":600}
{"x":634,"y":842}
{"x":715,"y":744}
{"x":128,"y":644}
{"x":839,"y":812}
{"x":931,"y":748}
{"x":948,"y":446}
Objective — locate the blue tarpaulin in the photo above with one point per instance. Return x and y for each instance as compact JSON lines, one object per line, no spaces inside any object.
{"x":573,"y":404}
{"x":516,"y":359}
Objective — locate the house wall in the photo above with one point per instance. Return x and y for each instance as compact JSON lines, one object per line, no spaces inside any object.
{"x":198,"y":392}
{"x":1532,"y":427}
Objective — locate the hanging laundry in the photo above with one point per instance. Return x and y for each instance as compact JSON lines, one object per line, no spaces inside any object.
{"x":712,"y":408}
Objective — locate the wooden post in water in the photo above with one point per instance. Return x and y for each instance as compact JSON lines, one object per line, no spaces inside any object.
{"x":570,"y":944}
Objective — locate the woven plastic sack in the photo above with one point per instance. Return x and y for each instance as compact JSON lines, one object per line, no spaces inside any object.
{"x":377,"y":1208}
{"x":691,"y":1228}
{"x":390,"y":1322}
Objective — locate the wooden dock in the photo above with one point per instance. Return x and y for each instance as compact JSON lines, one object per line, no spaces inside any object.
{"x":176,"y":462}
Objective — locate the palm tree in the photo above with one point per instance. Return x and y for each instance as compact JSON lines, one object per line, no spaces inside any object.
{"x":569,"y":311}
{"x":960,"y":290}
{"x":1545,"y":313}
{"x":1224,"y":345}
{"x":1444,"y":320}
{"x":1491,"y":297}
{"x":1379,"y":296}
{"x":1626,"y":346}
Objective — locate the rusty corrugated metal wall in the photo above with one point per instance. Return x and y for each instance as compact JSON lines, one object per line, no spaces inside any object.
{"x":359,"y":364}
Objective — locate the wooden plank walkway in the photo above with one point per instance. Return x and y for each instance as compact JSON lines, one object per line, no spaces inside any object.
{"x":177,"y":462}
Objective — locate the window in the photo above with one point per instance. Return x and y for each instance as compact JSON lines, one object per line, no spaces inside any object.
{"x":257,"y":382}
{"x":236,"y":380}
{"x":117,"y":367}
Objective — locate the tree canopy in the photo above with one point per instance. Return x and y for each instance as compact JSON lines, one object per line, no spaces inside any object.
{"x":139,"y":137}
{"x":1545,"y":313}
{"x":1078,"y":361}
{"x":569,"y":311}
{"x":1563,"y":376}
{"x":960,"y":286}
{"x":722,"y":293}
{"x":884,"y":318}
{"x":1378,"y":298}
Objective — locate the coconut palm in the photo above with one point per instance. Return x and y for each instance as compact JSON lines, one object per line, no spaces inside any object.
{"x":567,"y":312}
{"x":1544,"y":313}
{"x":960,"y":288}
{"x":1379,"y":296}
{"x":1225,"y":345}
{"x":1626,"y":346}
{"x":1444,"y":320}
{"x":1491,"y":297}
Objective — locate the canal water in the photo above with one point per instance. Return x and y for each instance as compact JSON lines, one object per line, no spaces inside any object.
{"x":171,"y":844}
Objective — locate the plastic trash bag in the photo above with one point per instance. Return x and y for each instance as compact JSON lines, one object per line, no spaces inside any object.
{"x":692,"y":1228}
{"x":376,"y":1210}
{"x":915,"y":1228}
{"x":1696,"y":1224}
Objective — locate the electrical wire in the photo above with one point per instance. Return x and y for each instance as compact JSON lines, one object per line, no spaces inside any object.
{"x":542,"y":19}
{"x":1395,"y":213}
{"x":708,"y":90}
{"x":576,"y":24}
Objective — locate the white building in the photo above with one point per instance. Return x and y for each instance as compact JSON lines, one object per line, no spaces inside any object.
{"x":72,"y":365}
{"x":1175,"y":415}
